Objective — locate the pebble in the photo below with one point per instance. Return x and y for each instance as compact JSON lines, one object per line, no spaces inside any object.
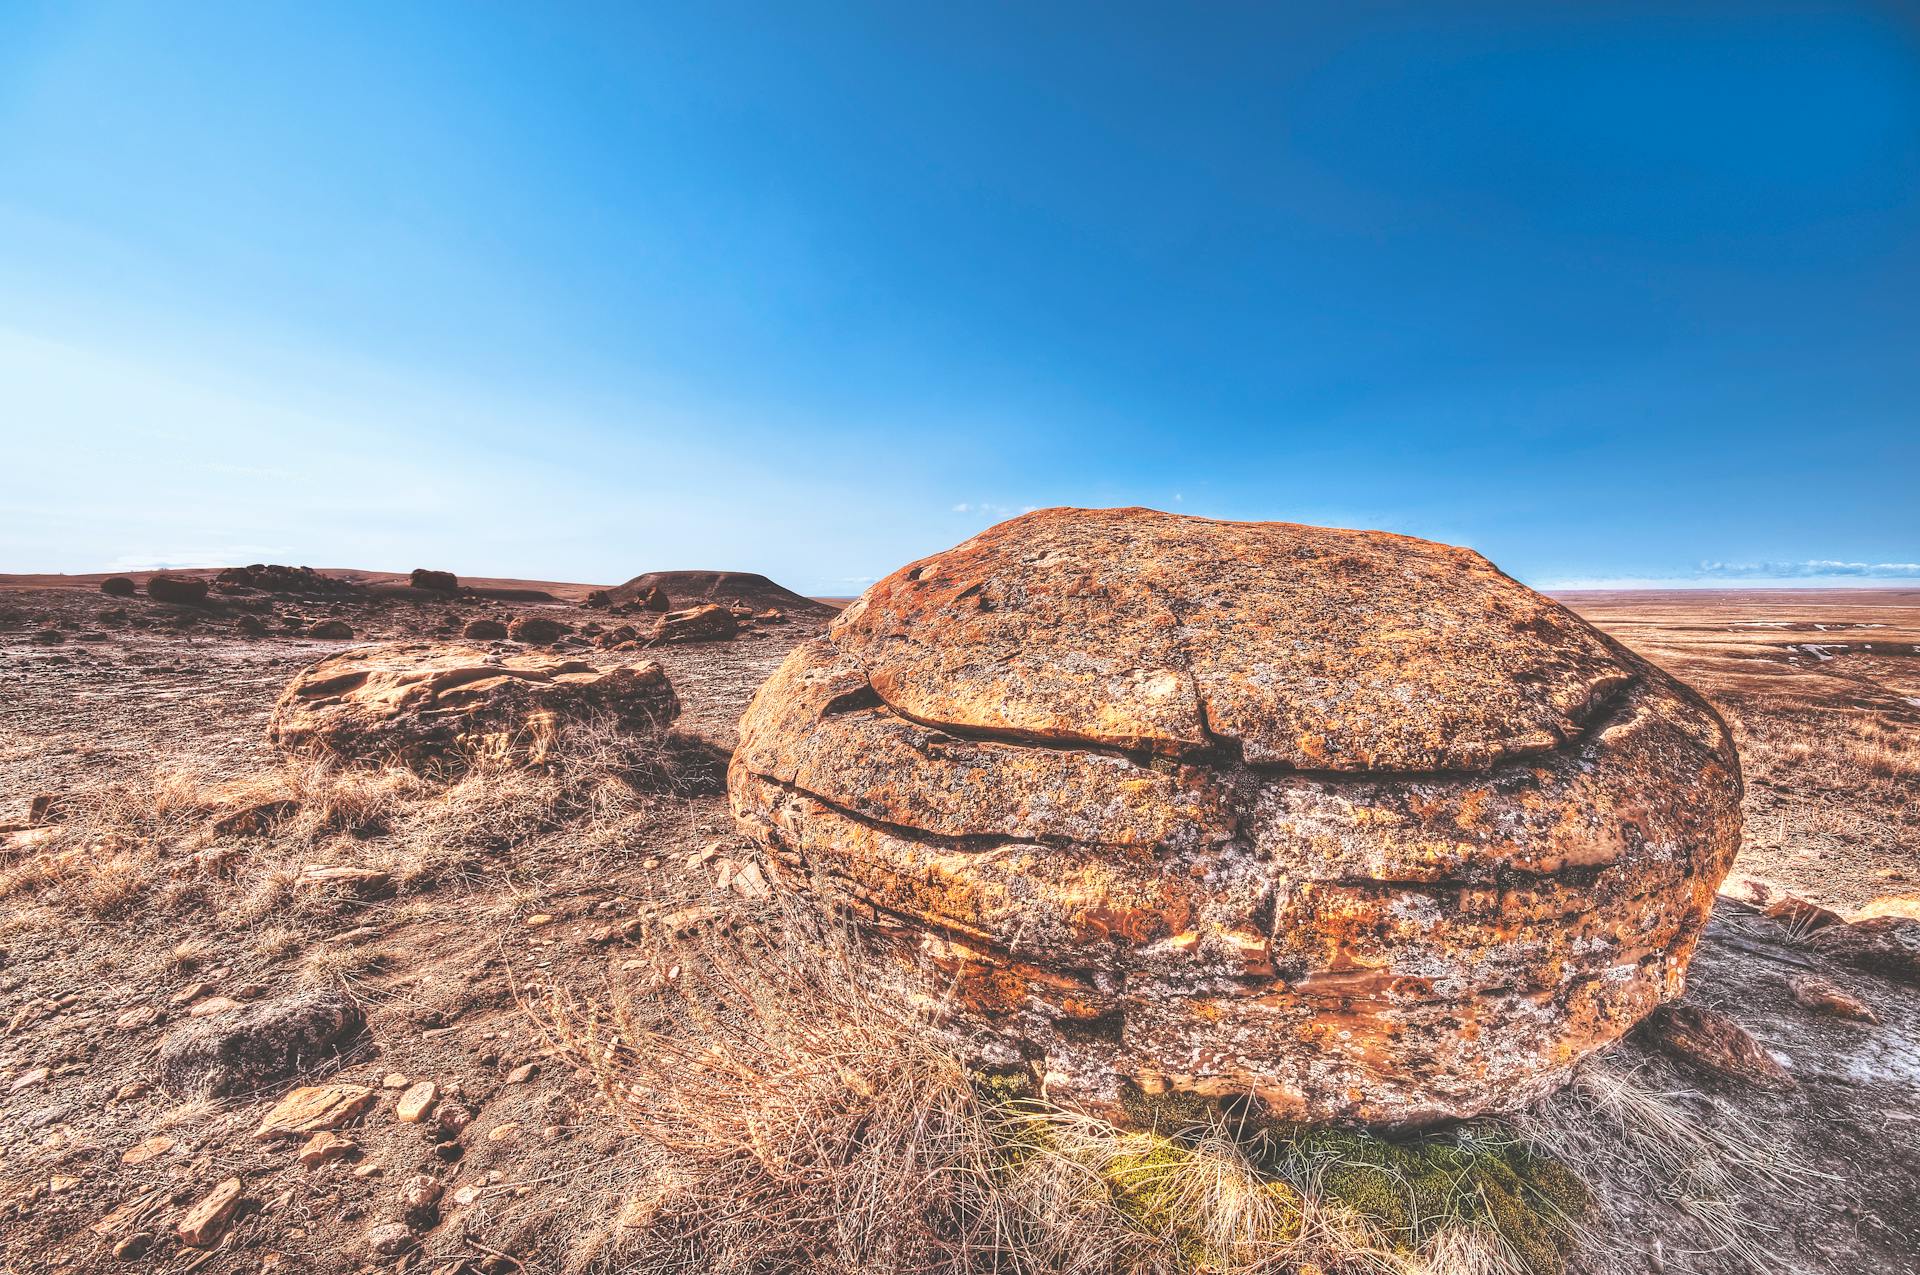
{"x":416,"y":1102}
{"x":151,"y":1149}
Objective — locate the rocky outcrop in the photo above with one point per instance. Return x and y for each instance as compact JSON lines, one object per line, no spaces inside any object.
{"x":537,"y":630}
{"x":434,"y":581}
{"x":180,"y":590}
{"x":255,"y":1047}
{"x":418,"y":703}
{"x":1346,"y":820}
{"x":273,"y":577}
{"x":708,"y":623}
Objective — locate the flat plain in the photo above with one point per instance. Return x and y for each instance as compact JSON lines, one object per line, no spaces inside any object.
{"x":165,"y":868}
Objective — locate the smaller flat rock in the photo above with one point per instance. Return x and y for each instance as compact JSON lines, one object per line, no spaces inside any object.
{"x":314,"y":1109}
{"x":323,"y":1148}
{"x":207,"y":1221}
{"x":1709,"y":1040}
{"x":1824,"y":996}
{"x":416,"y":1102}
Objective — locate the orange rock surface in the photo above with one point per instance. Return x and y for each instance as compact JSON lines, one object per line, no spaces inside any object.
{"x":1348,"y":820}
{"x":417,"y":703}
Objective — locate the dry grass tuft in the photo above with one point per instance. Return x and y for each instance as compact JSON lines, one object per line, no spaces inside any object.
{"x":1646,"y":1143}
{"x":799,"y":1115}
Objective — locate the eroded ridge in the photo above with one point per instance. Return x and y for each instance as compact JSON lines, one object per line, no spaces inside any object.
{"x":1391,"y":920}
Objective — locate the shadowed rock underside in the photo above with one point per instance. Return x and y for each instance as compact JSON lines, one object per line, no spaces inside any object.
{"x":1348,"y":820}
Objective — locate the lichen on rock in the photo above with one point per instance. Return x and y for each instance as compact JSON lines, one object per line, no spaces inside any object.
{"x":1347,"y":821}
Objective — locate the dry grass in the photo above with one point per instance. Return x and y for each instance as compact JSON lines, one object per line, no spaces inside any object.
{"x":799,"y":1115}
{"x":176,"y":842}
{"x":1643,"y":1143}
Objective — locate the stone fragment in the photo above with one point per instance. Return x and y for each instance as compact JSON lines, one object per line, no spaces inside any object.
{"x":211,"y":1006}
{"x":1884,"y":945}
{"x":420,"y":704}
{"x":149,"y":1149}
{"x":314,"y":1109}
{"x":208,"y":1220}
{"x":133,"y":1247}
{"x":416,"y":1102}
{"x":1348,"y":821}
{"x":523,"y":1073}
{"x":395,"y":1080}
{"x":1824,"y":996}
{"x":323,"y":1148}
{"x":335,"y":630}
{"x":28,"y":1078}
{"x":1713,"y":1042}
{"x":389,"y":1239}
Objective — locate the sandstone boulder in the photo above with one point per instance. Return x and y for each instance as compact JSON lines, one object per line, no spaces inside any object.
{"x":181,"y":590}
{"x":485,"y":631}
{"x":1346,"y":820}
{"x":537,"y":630}
{"x":117,"y":587}
{"x":256,"y":1047}
{"x":417,"y":703}
{"x":708,"y":623}
{"x":333,"y":630}
{"x":434,"y":581}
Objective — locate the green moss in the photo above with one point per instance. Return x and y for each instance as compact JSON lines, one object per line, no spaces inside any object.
{"x":1410,"y":1189}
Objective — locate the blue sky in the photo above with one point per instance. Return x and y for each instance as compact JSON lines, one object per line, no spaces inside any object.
{"x":577,"y":292}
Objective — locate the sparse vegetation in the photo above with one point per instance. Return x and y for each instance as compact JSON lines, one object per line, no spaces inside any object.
{"x":801,"y":1116}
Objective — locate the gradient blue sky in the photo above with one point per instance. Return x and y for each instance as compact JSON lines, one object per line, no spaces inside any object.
{"x":576,"y":292}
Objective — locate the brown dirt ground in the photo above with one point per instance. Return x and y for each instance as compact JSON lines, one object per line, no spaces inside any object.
{"x":441,"y":963}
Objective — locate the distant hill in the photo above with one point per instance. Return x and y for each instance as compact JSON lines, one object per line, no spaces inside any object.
{"x":485,"y":586}
{"x":686,"y":588}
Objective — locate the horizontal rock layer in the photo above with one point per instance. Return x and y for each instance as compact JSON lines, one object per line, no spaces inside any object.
{"x":1380,"y":942}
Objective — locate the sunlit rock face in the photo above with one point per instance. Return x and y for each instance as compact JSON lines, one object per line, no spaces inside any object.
{"x":1347,"y":820}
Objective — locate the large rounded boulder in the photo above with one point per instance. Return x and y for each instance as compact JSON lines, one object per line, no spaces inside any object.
{"x":423,"y":704}
{"x":1346,"y":820}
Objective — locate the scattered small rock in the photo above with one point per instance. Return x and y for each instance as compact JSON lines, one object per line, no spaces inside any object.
{"x":208,"y":1220}
{"x":134,"y":1246}
{"x":389,"y":1239}
{"x":1710,"y":1040}
{"x":1823,"y":996}
{"x":416,"y":1102}
{"x":323,"y":1148}
{"x":314,"y":1109}
{"x":151,"y":1149}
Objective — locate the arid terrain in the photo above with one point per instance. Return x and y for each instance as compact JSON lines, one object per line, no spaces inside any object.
{"x":449,"y":941}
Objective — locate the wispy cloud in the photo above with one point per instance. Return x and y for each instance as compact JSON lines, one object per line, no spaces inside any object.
{"x":213,"y":556}
{"x":992,"y":509}
{"x":1811,"y":568}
